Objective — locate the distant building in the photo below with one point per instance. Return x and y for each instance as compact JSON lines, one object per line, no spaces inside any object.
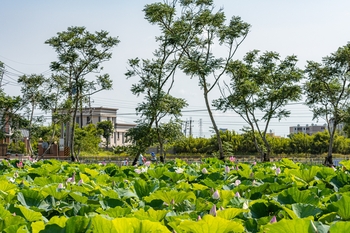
{"x":94,"y":115}
{"x":307,"y":129}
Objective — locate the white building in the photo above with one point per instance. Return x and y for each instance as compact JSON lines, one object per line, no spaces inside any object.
{"x":97,"y":114}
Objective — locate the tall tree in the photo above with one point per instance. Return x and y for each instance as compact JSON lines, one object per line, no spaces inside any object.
{"x":33,"y":93}
{"x":156,"y":76}
{"x":259,"y":90}
{"x":107,"y":129}
{"x":198,"y":30}
{"x":80,"y":53}
{"x":327,"y":91}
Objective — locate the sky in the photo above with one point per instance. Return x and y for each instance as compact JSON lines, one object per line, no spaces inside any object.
{"x":309,"y":29}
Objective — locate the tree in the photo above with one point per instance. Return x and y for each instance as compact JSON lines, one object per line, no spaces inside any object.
{"x":87,"y":138}
{"x":156,"y":76}
{"x":80,"y":53}
{"x":259,"y":90}
{"x":107,"y":128}
{"x":198,"y":30}
{"x":327,"y":91}
{"x":33,"y":94}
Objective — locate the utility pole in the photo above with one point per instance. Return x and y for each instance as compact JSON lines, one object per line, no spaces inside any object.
{"x":191,"y":126}
{"x":2,"y":71}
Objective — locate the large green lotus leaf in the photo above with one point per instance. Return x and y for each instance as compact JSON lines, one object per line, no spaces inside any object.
{"x":208,"y":182}
{"x":230,"y":213}
{"x":157,"y":172}
{"x":110,"y":202}
{"x":225,"y":197}
{"x":45,"y":180}
{"x":109,"y":193}
{"x":345,"y":163}
{"x":138,"y":226}
{"x":17,"y":228}
{"x":4,"y":213}
{"x":303,"y":210}
{"x":287,"y":163}
{"x":144,"y":188}
{"x":53,"y":228}
{"x":78,"y":197}
{"x":6,"y":187}
{"x":275,"y":187}
{"x":245,"y":171}
{"x":102,"y":179}
{"x":29,"y":197}
{"x":308,"y":174}
{"x":13,"y":220}
{"x":262,"y":208}
{"x":30,"y":215}
{"x":290,"y":226}
{"x":37,"y":226}
{"x":200,"y":187}
{"x":100,"y":224}
{"x":340,"y":227}
{"x":116,"y":212}
{"x":151,"y":214}
{"x":175,"y":177}
{"x":84,"y":177}
{"x":126,"y":193}
{"x":59,"y":221}
{"x":78,"y":224}
{"x":202,"y":204}
{"x":93,"y":173}
{"x":340,"y":180}
{"x":328,"y":218}
{"x":209,"y":224}
{"x":326,"y":173}
{"x":320,"y":228}
{"x":294,"y":195}
{"x":57,"y":193}
{"x":342,"y":207}
{"x":171,"y":196}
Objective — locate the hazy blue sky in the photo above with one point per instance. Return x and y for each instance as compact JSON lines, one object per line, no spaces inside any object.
{"x":310,"y":29}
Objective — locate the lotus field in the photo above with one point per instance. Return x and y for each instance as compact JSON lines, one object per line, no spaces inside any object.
{"x":211,"y":196}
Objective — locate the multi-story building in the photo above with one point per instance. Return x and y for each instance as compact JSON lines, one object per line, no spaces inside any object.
{"x":97,"y":114}
{"x":307,"y":129}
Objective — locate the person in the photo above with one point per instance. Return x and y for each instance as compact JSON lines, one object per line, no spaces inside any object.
{"x":153,"y":157}
{"x":140,"y":159}
{"x":125,"y":162}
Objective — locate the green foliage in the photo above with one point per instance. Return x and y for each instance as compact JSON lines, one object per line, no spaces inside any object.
{"x":87,"y":139}
{"x":173,"y":196}
{"x":107,"y":128}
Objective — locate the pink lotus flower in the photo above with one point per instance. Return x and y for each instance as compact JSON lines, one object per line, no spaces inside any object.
{"x":71,"y":179}
{"x":199,"y":218}
{"x":204,"y":171}
{"x":254,"y":163}
{"x":227,"y":169}
{"x":213,"y":210}
{"x":148,"y":163}
{"x":216,"y":195}
{"x":273,"y":219}
{"x":278,"y":171}
{"x":237,"y":182}
{"x":60,"y":186}
{"x":80,"y":182}
{"x":232,"y":159}
{"x":237,"y":194}
{"x":138,"y":171}
{"x":179,"y":170}
{"x":20,"y":164}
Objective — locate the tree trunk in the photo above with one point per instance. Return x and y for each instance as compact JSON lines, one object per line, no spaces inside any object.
{"x":217,"y":132}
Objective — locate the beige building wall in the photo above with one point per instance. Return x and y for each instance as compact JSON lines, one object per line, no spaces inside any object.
{"x":97,"y":114}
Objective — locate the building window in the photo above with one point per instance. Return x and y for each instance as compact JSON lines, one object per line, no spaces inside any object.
{"x":88,"y":120}
{"x":77,"y":120}
{"x":99,"y":118}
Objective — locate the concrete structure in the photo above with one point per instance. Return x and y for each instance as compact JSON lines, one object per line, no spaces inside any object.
{"x":307,"y":129}
{"x":97,"y":114}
